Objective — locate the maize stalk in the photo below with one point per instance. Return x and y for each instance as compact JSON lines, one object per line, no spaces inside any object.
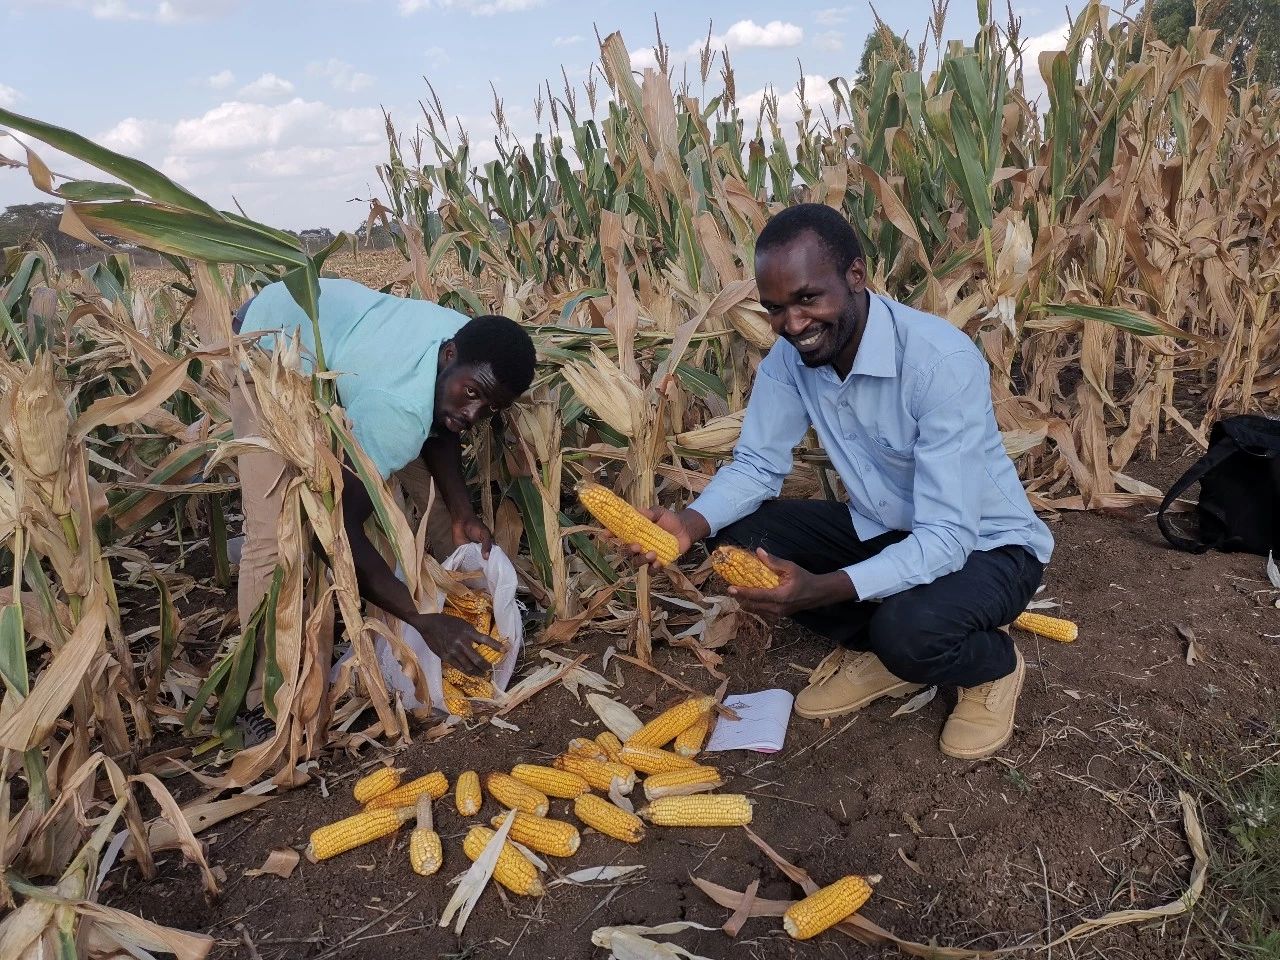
{"x":713,"y":810}
{"x":374,"y":784}
{"x":599,"y":774}
{"x":678,"y":783}
{"x":1053,"y":628}
{"x":354,"y":831}
{"x":626,"y":522}
{"x":549,"y":780}
{"x":742,"y":568}
{"x":607,"y":818}
{"x":407,"y":794}
{"x":670,"y":723}
{"x":425,"y":853}
{"x":510,"y":792}
{"x":826,"y":907}
{"x":689,"y":741}
{"x":555,"y":838}
{"x":654,"y":760}
{"x":467,"y":795}
{"x":610,"y":744}
{"x":513,"y":869}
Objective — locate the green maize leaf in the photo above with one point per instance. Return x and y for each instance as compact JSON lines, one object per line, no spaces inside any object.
{"x":572,"y":304}
{"x":524,"y":492}
{"x":6,"y":321}
{"x":13,"y":651}
{"x":272,"y":676}
{"x":170,"y":624}
{"x":231,"y":696}
{"x":1133,"y":321}
{"x":95,"y":190}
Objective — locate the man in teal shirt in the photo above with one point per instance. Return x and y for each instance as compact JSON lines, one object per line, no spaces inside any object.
{"x":412,"y":376}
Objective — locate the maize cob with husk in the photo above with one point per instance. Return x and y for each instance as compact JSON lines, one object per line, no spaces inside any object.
{"x":689,"y":741}
{"x":679,"y":783}
{"x":425,"y":853}
{"x":549,"y":780}
{"x":742,"y":568}
{"x":654,"y":760}
{"x":361,"y":828}
{"x":555,"y":838}
{"x":467,"y":794}
{"x":707,"y":810}
{"x":454,"y":701}
{"x":610,"y":744}
{"x":584,"y":747}
{"x":513,"y":870}
{"x":510,"y":792}
{"x":1053,"y":628}
{"x":469,"y":686}
{"x":826,"y":907}
{"x":380,"y":781}
{"x":599,"y":774}
{"x":608,"y":818}
{"x":407,"y":794}
{"x":670,"y":723}
{"x":626,"y":522}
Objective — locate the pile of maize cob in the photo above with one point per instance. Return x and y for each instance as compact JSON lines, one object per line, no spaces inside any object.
{"x":459,"y":688}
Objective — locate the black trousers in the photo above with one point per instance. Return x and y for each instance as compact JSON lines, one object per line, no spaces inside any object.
{"x":944,"y":632}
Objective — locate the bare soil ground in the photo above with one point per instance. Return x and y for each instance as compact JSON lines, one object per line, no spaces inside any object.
{"x":1078,"y":816}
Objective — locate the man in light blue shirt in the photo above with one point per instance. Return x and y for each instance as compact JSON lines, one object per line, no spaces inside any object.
{"x":938,"y":547}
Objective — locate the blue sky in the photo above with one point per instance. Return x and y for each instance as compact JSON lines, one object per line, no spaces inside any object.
{"x":278,"y":104}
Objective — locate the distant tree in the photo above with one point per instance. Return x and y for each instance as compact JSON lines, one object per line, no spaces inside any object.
{"x":1256,"y":22}
{"x":379,"y":238}
{"x":25,"y":223}
{"x":883,"y":44}
{"x":316,"y":238}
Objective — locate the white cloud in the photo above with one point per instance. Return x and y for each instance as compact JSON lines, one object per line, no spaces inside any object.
{"x":830,"y":40}
{"x":221,"y":80}
{"x":830,"y":16}
{"x":643,"y":58}
{"x":817,"y":93}
{"x":154,"y":11}
{"x":133,"y":136}
{"x":340,"y":74}
{"x":267,"y":87}
{"x":1033,"y":84}
{"x":437,"y":55}
{"x":748,"y":33}
{"x":9,"y":97}
{"x":567,"y":41}
{"x":477,"y":8}
{"x":236,"y":126}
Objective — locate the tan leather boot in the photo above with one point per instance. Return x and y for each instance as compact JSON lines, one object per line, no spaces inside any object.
{"x":982,"y":721}
{"x":848,"y":680}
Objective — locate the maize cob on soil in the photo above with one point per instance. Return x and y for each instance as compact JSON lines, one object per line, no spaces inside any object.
{"x":609,"y":819}
{"x":598,"y":774}
{"x":610,"y":744}
{"x":555,"y":838}
{"x":627,"y":523}
{"x":513,"y":870}
{"x":710,"y":810}
{"x":678,"y":783}
{"x":425,"y":853}
{"x":354,"y":831}
{"x":467,"y":796}
{"x":742,"y":568}
{"x":670,"y":723}
{"x":510,"y":792}
{"x":406,"y":795}
{"x":689,"y":741}
{"x":585,"y":747}
{"x":375,"y":784}
{"x":824,"y":908}
{"x":549,"y":780}
{"x":653,"y":759}
{"x":1054,"y":628}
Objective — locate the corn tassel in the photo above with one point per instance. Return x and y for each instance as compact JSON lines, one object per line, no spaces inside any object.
{"x":678,"y":783}
{"x":467,"y":795}
{"x":742,"y":568}
{"x":425,"y":852}
{"x":599,"y":775}
{"x":824,"y":908}
{"x":510,"y":792}
{"x":407,"y":794}
{"x":1053,"y":628}
{"x":513,"y":870}
{"x":354,"y":831}
{"x":608,"y":819}
{"x":654,"y":760}
{"x":670,"y":723}
{"x":549,"y":780}
{"x":555,"y":838}
{"x":712,"y":810}
{"x":380,"y":781}
{"x":627,"y":523}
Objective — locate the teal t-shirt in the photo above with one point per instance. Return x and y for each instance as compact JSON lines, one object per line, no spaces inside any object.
{"x":385,"y":350}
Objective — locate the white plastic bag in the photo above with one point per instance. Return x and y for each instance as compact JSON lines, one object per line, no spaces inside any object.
{"x":495,"y":576}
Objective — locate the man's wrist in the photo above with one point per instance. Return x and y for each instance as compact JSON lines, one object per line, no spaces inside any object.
{"x":836,"y":587}
{"x":695,"y":525}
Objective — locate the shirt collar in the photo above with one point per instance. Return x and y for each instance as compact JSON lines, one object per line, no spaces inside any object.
{"x":877,"y":354}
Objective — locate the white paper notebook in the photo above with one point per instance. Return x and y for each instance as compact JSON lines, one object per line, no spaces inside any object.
{"x":761,"y":724}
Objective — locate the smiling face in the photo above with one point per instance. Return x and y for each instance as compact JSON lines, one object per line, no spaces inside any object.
{"x":816,"y":308}
{"x":466,"y":393}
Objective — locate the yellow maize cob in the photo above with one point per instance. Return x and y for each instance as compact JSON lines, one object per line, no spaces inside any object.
{"x":609,"y":819}
{"x":1054,"y":628}
{"x":627,"y":523}
{"x":510,"y":792}
{"x":425,"y":853}
{"x":513,"y":870}
{"x":335,"y":838}
{"x":406,"y":795}
{"x":597,"y":773}
{"x":469,"y":686}
{"x":742,"y":568}
{"x":670,"y":723}
{"x":371,"y":785}
{"x":467,"y":795}
{"x":549,"y":780}
{"x":583,"y":747}
{"x":454,"y":701}
{"x":689,"y":740}
{"x":610,"y":744}
{"x":555,"y":838}
{"x":711,"y":810}
{"x":824,"y":908}
{"x":491,"y":655}
{"x":654,"y":760}
{"x":677,"y":783}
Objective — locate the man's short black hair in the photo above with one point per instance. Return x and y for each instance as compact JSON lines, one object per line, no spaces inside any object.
{"x":826,"y":223}
{"x":503,"y":344}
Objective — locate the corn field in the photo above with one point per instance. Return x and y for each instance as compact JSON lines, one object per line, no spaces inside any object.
{"x":1113,"y":255}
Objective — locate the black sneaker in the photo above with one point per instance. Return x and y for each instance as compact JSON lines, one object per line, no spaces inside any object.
{"x":254,"y":726}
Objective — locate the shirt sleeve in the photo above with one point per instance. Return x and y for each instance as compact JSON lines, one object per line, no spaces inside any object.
{"x":388,"y":432}
{"x":952,"y":414}
{"x":775,"y":422}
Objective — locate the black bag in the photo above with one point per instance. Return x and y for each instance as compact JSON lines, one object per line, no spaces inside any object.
{"x":1239,"y":476}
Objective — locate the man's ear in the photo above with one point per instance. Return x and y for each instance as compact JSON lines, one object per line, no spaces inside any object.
{"x":448,"y":352}
{"x":856,"y":275}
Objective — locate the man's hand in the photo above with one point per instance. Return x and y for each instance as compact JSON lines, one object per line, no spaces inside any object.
{"x":472,"y":530}
{"x":451,"y":639}
{"x":797,"y":590}
{"x":674,"y":524}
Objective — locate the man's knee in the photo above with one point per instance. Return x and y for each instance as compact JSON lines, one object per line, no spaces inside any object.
{"x":912,"y":640}
{"x":753,"y":530}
